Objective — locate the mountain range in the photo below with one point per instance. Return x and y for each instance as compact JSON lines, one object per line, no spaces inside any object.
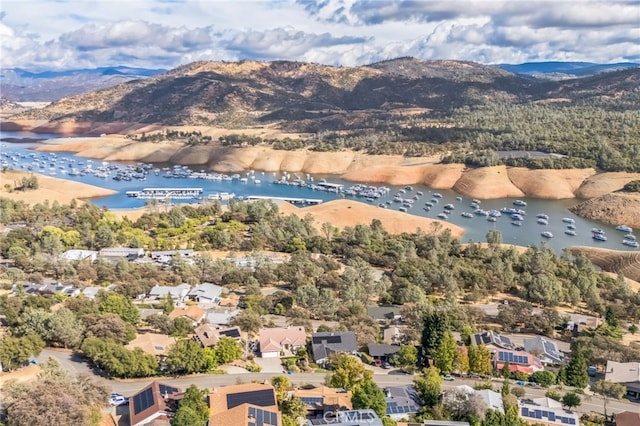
{"x":311,"y":97}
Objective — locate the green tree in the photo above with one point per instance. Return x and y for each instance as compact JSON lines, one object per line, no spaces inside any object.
{"x":608,"y":390}
{"x":543,"y":378}
{"x":429,"y":386}
{"x":15,"y":351}
{"x":434,"y":327}
{"x":348,"y":372}
{"x":228,"y":350}
{"x":480,"y":360}
{"x":121,"y":306}
{"x":192,"y":409}
{"x":281,"y":384}
{"x":407,"y":356}
{"x":576,"y":373}
{"x":461,"y":363}
{"x":293,"y":407}
{"x":187,"y":356}
{"x":571,"y":400}
{"x":369,"y":395}
{"x":65,"y":329}
{"x":445,"y":353}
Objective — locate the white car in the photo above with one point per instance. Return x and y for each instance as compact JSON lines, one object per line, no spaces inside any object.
{"x":116,"y":400}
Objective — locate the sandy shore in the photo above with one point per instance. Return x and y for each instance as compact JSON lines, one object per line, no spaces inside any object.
{"x":50,"y":188}
{"x":482,"y":183}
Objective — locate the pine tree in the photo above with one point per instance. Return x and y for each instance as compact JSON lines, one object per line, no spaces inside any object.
{"x":577,"y":374}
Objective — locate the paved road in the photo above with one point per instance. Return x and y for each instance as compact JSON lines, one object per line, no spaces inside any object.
{"x":74,"y":365}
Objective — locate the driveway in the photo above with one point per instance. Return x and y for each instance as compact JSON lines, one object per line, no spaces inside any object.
{"x":270,"y":365}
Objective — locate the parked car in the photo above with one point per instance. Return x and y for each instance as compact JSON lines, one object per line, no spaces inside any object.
{"x":386,"y":365}
{"x":116,"y":400}
{"x":448,"y":378}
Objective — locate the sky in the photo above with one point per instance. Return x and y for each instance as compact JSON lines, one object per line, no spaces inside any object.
{"x":39,"y":35}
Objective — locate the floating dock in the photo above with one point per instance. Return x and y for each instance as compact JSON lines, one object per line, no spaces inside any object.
{"x":292,"y":200}
{"x":162,"y":193}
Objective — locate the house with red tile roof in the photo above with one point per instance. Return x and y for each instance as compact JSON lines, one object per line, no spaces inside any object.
{"x":274,"y":341}
{"x":519,"y":361}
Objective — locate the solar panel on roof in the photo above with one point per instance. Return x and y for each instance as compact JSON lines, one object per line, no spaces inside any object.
{"x":262,"y":398}
{"x":392,"y":404}
{"x":327,"y":339}
{"x":231,"y":333}
{"x":167,"y":390}
{"x":310,"y":400}
{"x":143,"y":400}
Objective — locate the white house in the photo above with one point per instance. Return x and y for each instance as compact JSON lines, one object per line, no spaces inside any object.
{"x":177,"y":293}
{"x":206,"y":293}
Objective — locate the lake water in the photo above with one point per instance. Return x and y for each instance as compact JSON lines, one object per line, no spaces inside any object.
{"x":476,"y":227}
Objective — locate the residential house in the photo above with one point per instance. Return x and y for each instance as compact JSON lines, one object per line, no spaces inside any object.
{"x":221,"y":317}
{"x":248,"y":404}
{"x":628,"y":418}
{"x":519,"y":361}
{"x":394,"y":335}
{"x":51,"y":289}
{"x":546,"y":411}
{"x":92,"y":292}
{"x":275,"y":341}
{"x":195,"y":314}
{"x":322,"y":400}
{"x":329,"y":342}
{"x":166,"y":256}
{"x":152,"y":343}
{"x":153,"y":405}
{"x":209,"y":335}
{"x":147,"y":312}
{"x":77,"y":255}
{"x":116,"y":253}
{"x":381,"y":352}
{"x":492,"y":399}
{"x":177,"y":293}
{"x":206,"y":293}
{"x":348,"y":418}
{"x":546,"y":350}
{"x":385,"y":313}
{"x":626,"y":373}
{"x":401,"y":401}
{"x":492,"y":340}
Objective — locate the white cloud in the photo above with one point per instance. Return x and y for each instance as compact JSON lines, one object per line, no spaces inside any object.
{"x":165,"y":33}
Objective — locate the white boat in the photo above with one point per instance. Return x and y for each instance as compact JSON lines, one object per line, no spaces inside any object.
{"x":624,"y":228}
{"x":599,"y":237}
{"x":437,"y":195}
{"x":631,"y":243}
{"x":443,"y":216}
{"x":449,"y":207}
{"x":630,"y":237}
{"x":597,"y":231}
{"x":568,"y":220}
{"x":570,"y":232}
{"x":542,"y":216}
{"x":520,"y":203}
{"x":492,"y":219}
{"x":466,"y":214}
{"x":516,"y":223}
{"x":543,"y":221}
{"x":547,"y":234}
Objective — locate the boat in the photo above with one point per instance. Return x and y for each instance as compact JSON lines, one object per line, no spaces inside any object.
{"x":402,"y":209}
{"x":542,"y":216}
{"x":599,"y":237}
{"x":459,"y":198}
{"x":568,"y":220}
{"x":420,"y":193}
{"x":597,"y":231}
{"x":426,"y":208}
{"x":443,"y":216}
{"x":492,"y":219}
{"x":547,"y":234}
{"x":475,"y":201}
{"x":571,"y":226}
{"x":543,"y":221}
{"x":466,"y":214}
{"x":630,"y":237}
{"x":570,"y":232}
{"x":520,"y":203}
{"x":428,"y":204}
{"x":631,"y":243}
{"x":449,"y":207}
{"x":516,"y":223}
{"x":437,"y":195}
{"x":624,"y":228}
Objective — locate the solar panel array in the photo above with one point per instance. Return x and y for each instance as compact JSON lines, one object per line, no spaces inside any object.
{"x":310,"y":400}
{"x":550,"y":348}
{"x":262,"y":398}
{"x":394,"y":408}
{"x":513,"y":358}
{"x":327,"y":339}
{"x":261,"y":417}
{"x":549,"y":415}
{"x":234,"y":332}
{"x":167,"y":390}
{"x":143,"y":400}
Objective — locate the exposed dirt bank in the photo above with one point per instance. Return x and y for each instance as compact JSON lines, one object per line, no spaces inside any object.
{"x":50,"y":188}
{"x":342,"y":213}
{"x":623,"y":262}
{"x":616,"y":208}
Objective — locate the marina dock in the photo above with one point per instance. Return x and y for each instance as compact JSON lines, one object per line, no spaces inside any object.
{"x":292,"y":200}
{"x":172,"y":193}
